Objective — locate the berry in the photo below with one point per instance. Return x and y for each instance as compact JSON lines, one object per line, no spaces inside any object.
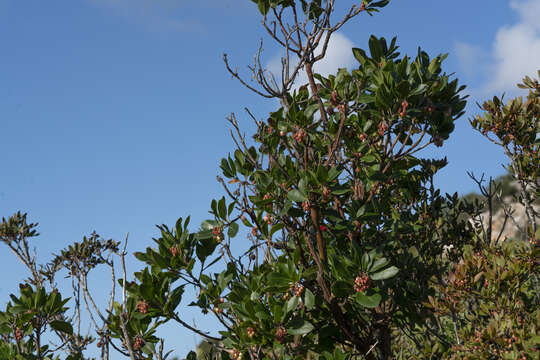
{"x":281,"y":332}
{"x":382,"y":128}
{"x":236,"y":354}
{"x":404,"y":105}
{"x":138,"y":343}
{"x":326,"y":193}
{"x":334,"y":98}
{"x":18,"y":334}
{"x":142,"y":307}
{"x":298,"y":289}
{"x":217,"y":233}
{"x":437,"y":141}
{"x":361,"y":283}
{"x":300,"y":135}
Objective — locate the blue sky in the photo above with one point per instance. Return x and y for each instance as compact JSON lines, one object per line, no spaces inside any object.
{"x":113,"y":111}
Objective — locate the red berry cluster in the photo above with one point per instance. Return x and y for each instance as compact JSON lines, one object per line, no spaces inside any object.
{"x":217,"y":309}
{"x":174,"y":250}
{"x":437,"y":140}
{"x":217,"y":233}
{"x":138,"y":343}
{"x":326,"y":193}
{"x":236,"y":354}
{"x":382,"y":128}
{"x":334,"y":98}
{"x":363,"y":137}
{"x":18,"y":334}
{"x":142,"y":307}
{"x":102,"y":341}
{"x":298,"y":289}
{"x":281,"y":332}
{"x":250,"y":332}
{"x":361,"y":283}
{"x":403,"y":109}
{"x":300,"y":135}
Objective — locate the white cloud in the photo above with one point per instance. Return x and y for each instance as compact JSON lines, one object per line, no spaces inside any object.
{"x":338,"y":55}
{"x":469,"y":56}
{"x":514,"y":54}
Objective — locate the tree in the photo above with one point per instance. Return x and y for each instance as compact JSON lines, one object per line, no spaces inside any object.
{"x":347,"y":229}
{"x":489,"y":304}
{"x":352,"y":252}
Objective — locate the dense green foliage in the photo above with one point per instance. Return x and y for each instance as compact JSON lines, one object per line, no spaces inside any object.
{"x":345,"y":248}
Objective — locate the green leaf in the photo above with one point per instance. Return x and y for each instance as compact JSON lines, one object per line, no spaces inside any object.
{"x":299,"y":326}
{"x":233,"y":230}
{"x":309,"y":299}
{"x":222,"y":208}
{"x":379,"y":264}
{"x":385,"y":274}
{"x":191,"y":356}
{"x":379,"y":4}
{"x":359,"y":55}
{"x":264,"y":6}
{"x":365,"y":98}
{"x":292,"y":304}
{"x":420,"y":89}
{"x":302,"y":185}
{"x":62,"y":326}
{"x":278,"y":281}
{"x":205,"y":247}
{"x":208,"y":224}
{"x":276,"y":228}
{"x":333,"y":173}
{"x":174,"y":298}
{"x":375,"y":47}
{"x":368,"y":301}
{"x":296,"y":195}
